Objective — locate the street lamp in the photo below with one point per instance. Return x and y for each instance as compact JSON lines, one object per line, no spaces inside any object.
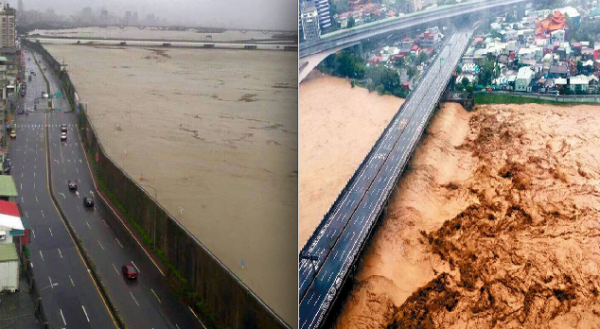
{"x":155,"y":206}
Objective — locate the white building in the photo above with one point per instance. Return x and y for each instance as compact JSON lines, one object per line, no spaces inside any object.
{"x":579,"y":83}
{"x":324,"y":13}
{"x":557,"y":36}
{"x":7,"y":37}
{"x":524,"y":77}
{"x":310,"y":22}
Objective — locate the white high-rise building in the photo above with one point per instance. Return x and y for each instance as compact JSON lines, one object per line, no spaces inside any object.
{"x":310,"y":21}
{"x":7,"y":21}
{"x":323,"y":12}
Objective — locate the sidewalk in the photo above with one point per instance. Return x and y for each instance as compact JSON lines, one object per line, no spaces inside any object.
{"x":17,"y":310}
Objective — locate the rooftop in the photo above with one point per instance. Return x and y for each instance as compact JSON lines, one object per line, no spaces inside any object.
{"x":8,"y":253}
{"x":7,"y":186}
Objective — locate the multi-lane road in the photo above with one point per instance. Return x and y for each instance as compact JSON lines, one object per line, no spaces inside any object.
{"x":69,"y":295}
{"x":336,"y":243}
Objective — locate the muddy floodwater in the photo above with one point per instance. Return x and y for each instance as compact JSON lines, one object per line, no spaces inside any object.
{"x":494,"y":225}
{"x":215,"y":132}
{"x":338,"y":126}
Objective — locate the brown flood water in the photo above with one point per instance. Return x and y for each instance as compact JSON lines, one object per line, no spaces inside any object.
{"x":495,"y":224}
{"x":339,"y":125}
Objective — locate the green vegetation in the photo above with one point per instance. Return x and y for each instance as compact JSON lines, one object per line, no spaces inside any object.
{"x":351,"y":22}
{"x":43,"y":75}
{"x":586,"y":31}
{"x":488,"y":71}
{"x":347,"y":64}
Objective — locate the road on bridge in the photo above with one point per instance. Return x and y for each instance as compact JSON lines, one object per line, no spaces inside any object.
{"x":338,"y":240}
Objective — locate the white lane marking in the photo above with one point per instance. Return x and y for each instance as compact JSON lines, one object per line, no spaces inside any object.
{"x":22,"y":200}
{"x":43,"y":214}
{"x":101,"y":246}
{"x":119,"y":242}
{"x":59,"y":253}
{"x":62,"y":195}
{"x":136,"y":267}
{"x":21,"y":186}
{"x":41,"y":255}
{"x":36,"y":199}
{"x":88,"y":224}
{"x":34,"y":174}
{"x":86,"y":316}
{"x":33,"y":232}
{"x":51,"y":284}
{"x":155,"y":295}
{"x":70,"y":278}
{"x":134,"y":298}
{"x":63,"y":317}
{"x":115,"y":269}
{"x":31,"y":264}
{"x":105,"y":223}
{"x":77,"y":170}
{"x":49,"y":229}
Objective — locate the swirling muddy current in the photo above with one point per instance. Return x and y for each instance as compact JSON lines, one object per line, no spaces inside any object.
{"x":495,"y":225}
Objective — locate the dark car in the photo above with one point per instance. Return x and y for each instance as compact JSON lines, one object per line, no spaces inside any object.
{"x":6,"y":166}
{"x":88,"y":202}
{"x":129,"y":271}
{"x":21,"y":111}
{"x":63,"y":137}
{"x":72,"y":185}
{"x":63,"y":128}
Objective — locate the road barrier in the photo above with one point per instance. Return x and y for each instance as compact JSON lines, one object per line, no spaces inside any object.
{"x":220,"y":298}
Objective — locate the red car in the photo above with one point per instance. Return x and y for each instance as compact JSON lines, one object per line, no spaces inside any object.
{"x":129,"y":271}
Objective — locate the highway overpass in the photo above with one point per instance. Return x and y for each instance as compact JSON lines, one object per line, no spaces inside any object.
{"x":315,"y":52}
{"x":329,"y":256}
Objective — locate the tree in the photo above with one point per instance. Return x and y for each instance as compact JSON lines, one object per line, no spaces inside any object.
{"x":579,"y":67}
{"x":465,"y":81}
{"x":351,"y":22}
{"x":411,"y":72}
{"x":399,"y":62}
{"x":487,"y":72}
{"x":422,"y":57}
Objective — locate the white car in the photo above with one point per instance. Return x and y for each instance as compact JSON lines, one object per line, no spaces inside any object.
{"x":63,"y":137}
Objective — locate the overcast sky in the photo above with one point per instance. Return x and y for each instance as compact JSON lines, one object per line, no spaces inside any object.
{"x":255,"y":14}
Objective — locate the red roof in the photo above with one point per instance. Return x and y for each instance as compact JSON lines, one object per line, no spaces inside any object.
{"x":414,"y":48}
{"x":9,"y":208}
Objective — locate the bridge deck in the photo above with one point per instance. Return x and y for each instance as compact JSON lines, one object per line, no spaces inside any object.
{"x":343,"y":232}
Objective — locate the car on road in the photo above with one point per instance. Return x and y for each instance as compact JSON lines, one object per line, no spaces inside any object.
{"x":21,"y":111}
{"x":13,"y":134}
{"x":63,"y":137}
{"x":31,"y":72}
{"x":129,"y":271}
{"x":63,"y":128}
{"x":72,"y":185}
{"x":6,"y":166}
{"x":88,"y":202}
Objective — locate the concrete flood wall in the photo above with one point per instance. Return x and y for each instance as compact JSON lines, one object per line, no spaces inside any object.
{"x":197,"y":276}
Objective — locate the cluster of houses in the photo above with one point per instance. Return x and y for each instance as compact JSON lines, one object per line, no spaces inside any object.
{"x":534,"y":55}
{"x":425,"y":42}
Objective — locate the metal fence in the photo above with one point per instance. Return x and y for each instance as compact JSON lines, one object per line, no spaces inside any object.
{"x":196,"y":275}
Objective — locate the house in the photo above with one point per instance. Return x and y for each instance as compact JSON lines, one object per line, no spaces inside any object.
{"x":579,"y":84}
{"x":558,"y":71}
{"x":11,"y":225}
{"x":587,"y":53}
{"x":9,"y":268}
{"x":524,"y":77}
{"x":526,"y":54}
{"x":557,"y":36}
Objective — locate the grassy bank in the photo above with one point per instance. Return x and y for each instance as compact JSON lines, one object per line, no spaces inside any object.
{"x":516,"y":99}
